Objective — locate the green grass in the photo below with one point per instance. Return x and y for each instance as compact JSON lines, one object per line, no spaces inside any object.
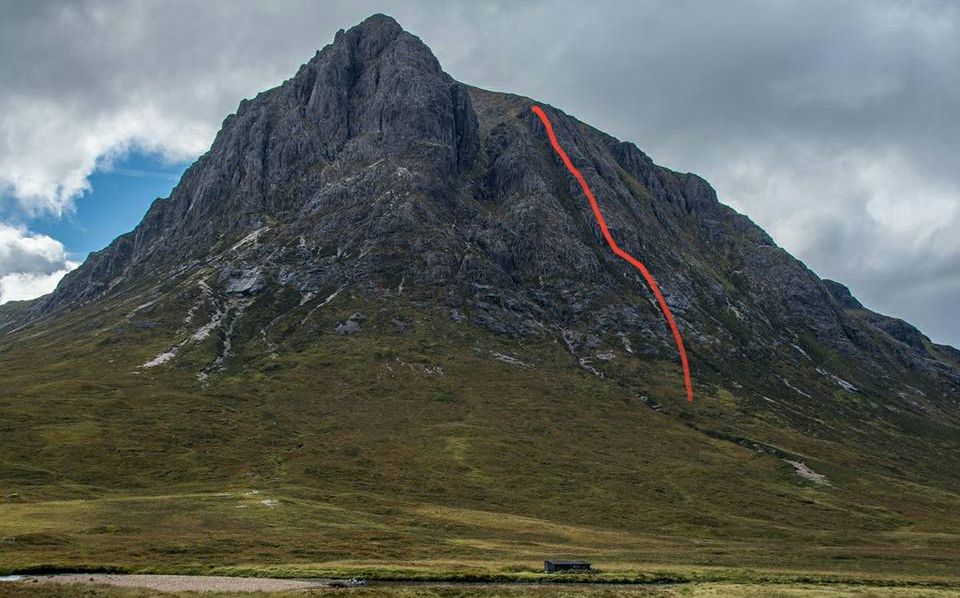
{"x":354,"y":455}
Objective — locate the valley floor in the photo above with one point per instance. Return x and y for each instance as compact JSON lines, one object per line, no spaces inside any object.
{"x":121,"y":586}
{"x":427,"y":457}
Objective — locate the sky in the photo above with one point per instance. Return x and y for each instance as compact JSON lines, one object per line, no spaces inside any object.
{"x":832,"y":124}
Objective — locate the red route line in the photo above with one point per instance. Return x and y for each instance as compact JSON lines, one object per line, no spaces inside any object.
{"x":616,"y":248}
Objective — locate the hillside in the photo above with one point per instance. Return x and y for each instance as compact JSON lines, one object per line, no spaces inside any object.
{"x":376,"y":327}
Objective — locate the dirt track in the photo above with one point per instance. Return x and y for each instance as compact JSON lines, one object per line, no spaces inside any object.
{"x":182,"y":583}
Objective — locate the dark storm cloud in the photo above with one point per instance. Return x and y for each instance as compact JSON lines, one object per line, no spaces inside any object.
{"x":832,"y":124}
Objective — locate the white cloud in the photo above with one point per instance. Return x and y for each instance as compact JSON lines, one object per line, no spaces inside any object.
{"x":28,"y":285}
{"x":50,"y":149}
{"x":81,"y":84}
{"x":30,"y":264}
{"x":22,"y":251}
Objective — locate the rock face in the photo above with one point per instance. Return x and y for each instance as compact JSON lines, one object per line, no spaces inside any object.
{"x":373,"y":169}
{"x":377,"y":94}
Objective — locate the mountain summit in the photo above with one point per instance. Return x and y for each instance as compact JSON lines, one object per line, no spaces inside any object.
{"x":371,"y":167}
{"x":381,"y":280}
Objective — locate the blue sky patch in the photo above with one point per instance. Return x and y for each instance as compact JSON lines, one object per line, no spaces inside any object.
{"x":118,"y":199}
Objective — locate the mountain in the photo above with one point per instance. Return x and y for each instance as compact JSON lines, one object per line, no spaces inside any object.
{"x":381,"y":303}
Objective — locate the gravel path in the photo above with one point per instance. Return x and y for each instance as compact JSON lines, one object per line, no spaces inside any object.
{"x":183,"y":583}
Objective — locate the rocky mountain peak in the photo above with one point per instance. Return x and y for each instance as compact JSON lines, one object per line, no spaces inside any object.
{"x":376,"y":93}
{"x":372,"y":169}
{"x":371,"y":35}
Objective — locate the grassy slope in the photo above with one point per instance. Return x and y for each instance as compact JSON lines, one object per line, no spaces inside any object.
{"x":354,"y":455}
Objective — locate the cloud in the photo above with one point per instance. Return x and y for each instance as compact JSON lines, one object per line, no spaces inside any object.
{"x":831,"y":123}
{"x":27,"y":285}
{"x":21,"y":251}
{"x":871,"y":219}
{"x":81,"y":84}
{"x":30,"y":264}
